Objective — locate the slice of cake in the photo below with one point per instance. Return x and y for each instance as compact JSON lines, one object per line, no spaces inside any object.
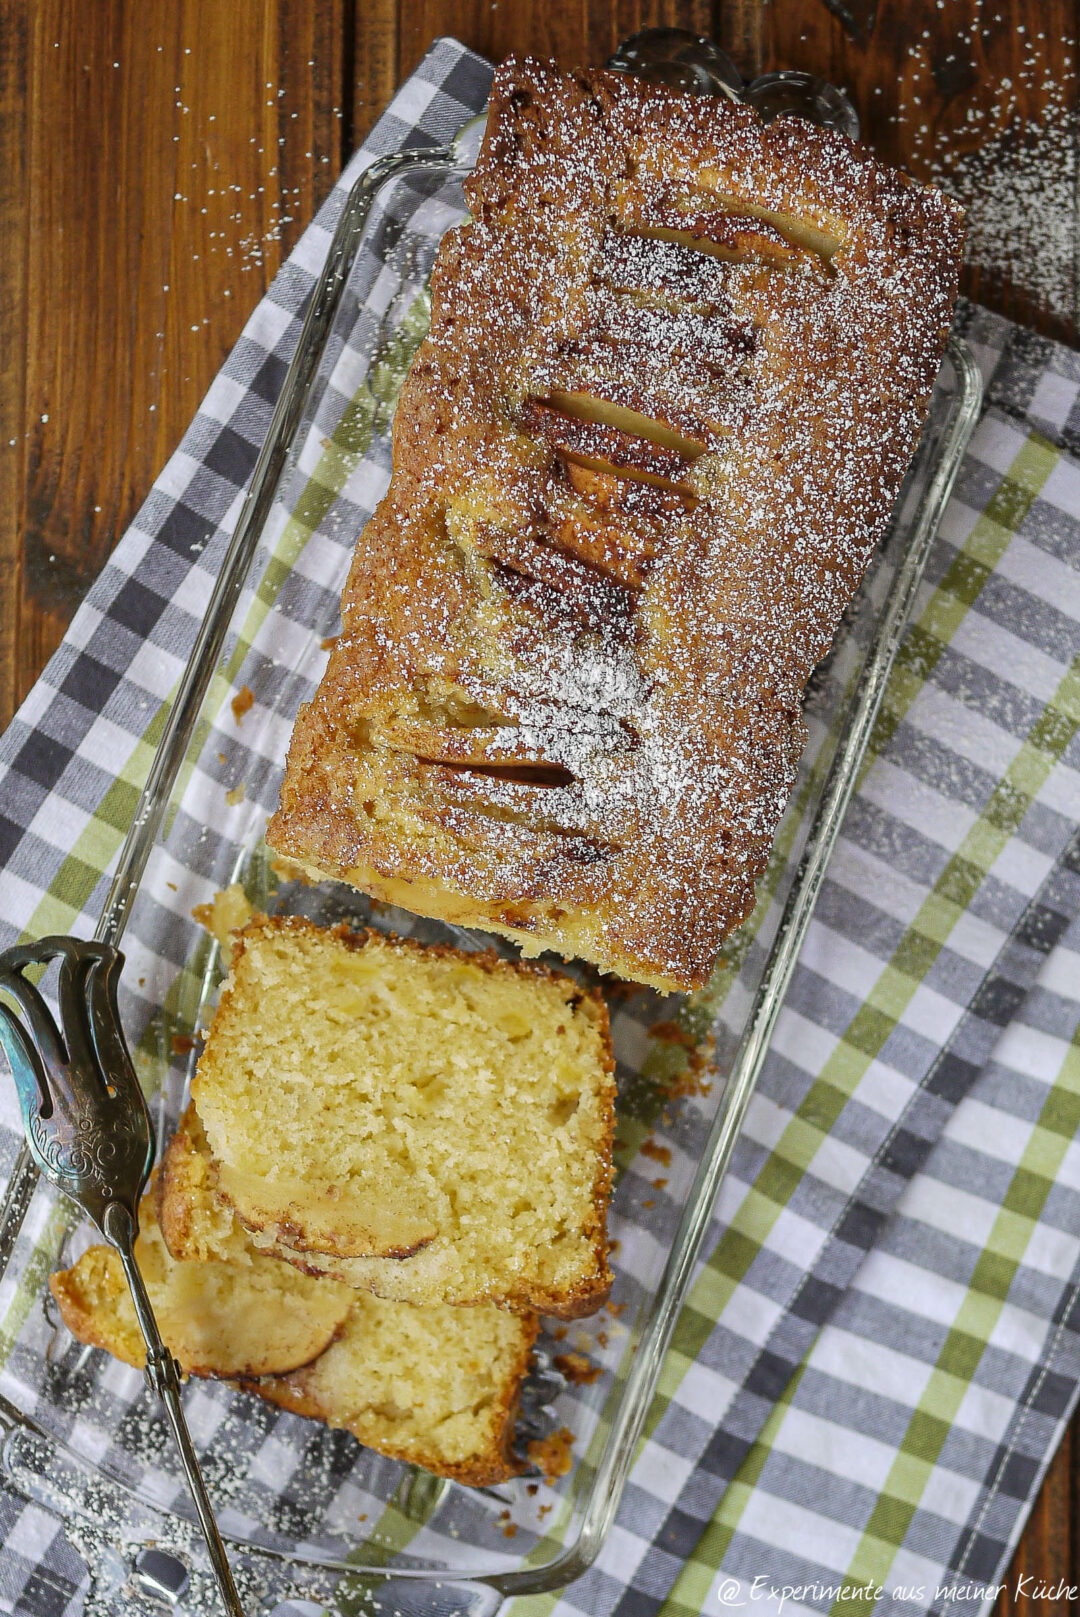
{"x":678,"y":365}
{"x":435,"y":1386}
{"x":447,"y":1116}
{"x":242,"y":1315}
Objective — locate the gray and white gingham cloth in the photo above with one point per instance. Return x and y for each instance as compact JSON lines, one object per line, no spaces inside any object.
{"x":882,"y":1344}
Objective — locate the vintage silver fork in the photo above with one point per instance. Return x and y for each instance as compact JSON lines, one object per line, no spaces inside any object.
{"x":90,"y":1133}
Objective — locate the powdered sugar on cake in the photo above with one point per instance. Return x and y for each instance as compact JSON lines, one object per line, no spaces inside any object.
{"x":677,"y":367}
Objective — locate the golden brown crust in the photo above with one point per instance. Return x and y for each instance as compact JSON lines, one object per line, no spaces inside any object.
{"x":84,"y":1321}
{"x":570,"y":711}
{"x":185,"y":1182}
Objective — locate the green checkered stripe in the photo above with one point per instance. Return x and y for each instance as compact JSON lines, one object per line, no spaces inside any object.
{"x":878,"y":1351}
{"x":894,"y":1470}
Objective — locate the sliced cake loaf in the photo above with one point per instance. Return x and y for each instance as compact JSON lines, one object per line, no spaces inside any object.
{"x":241,"y":1315}
{"x":431,"y":1124}
{"x":436,"y":1386}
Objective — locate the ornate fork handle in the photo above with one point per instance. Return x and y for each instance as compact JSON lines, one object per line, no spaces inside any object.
{"x":84,"y":1113}
{"x":90,"y":1132}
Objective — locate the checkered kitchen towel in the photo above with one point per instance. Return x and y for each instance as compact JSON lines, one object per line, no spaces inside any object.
{"x":882,"y":1344}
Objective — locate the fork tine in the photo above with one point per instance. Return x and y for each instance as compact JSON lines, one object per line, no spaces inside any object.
{"x":72,"y":993}
{"x":41,"y":1028}
{"x":26,"y":1067}
{"x":106,"y":1031}
{"x":67,"y":1053}
{"x":57,"y":1068}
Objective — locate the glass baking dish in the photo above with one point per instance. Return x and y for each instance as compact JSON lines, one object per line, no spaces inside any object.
{"x":309,"y":1513}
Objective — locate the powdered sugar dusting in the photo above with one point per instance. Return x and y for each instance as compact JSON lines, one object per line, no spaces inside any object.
{"x":640,"y":466}
{"x":1015,"y":172}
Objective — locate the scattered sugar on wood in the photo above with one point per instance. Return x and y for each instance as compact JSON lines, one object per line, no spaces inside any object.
{"x":1014,"y":171}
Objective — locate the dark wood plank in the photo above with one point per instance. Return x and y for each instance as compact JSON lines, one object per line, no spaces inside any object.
{"x":576,"y":31}
{"x":14,"y":221}
{"x":173,"y":150}
{"x":375,"y":74}
{"x":739,"y":29}
{"x":984,"y":102}
{"x":1048,"y":1555}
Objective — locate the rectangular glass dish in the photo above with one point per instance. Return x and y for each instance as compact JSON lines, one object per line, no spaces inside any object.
{"x":308,"y":1512}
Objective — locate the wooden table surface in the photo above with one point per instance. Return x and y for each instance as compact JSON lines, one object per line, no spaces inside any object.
{"x":158,"y":159}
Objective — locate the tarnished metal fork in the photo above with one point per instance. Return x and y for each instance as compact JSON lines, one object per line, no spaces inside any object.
{"x":90,"y":1133}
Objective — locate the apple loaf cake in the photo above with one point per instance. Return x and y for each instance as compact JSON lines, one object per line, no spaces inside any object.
{"x":431,"y":1124}
{"x":677,"y":367}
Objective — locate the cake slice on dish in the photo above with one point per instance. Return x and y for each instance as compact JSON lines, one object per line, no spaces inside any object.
{"x":432,"y":1125}
{"x":438,"y":1387}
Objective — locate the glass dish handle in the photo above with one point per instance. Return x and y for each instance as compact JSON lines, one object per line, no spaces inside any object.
{"x":140,"y":1558}
{"x":109,"y":1529}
